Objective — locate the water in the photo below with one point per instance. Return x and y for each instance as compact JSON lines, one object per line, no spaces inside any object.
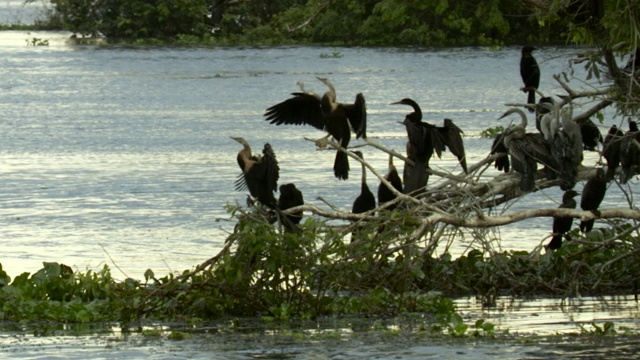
{"x":123,"y":154}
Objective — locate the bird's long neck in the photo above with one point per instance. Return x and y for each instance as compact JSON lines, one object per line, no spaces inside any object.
{"x":364,"y":176}
{"x":245,"y":159}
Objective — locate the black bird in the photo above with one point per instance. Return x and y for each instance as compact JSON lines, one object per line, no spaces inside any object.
{"x":260,"y":173}
{"x":591,"y":135}
{"x":629,"y":153}
{"x":611,"y":150}
{"x":290,"y":197}
{"x":424,"y":140}
{"x":324,"y":113}
{"x":562,"y":225}
{"x":527,"y":150}
{"x":530,"y":73}
{"x":502,"y":163}
{"x":384,"y":193}
{"x":365,"y":201}
{"x":592,"y":196}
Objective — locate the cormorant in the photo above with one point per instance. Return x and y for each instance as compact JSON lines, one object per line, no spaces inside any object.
{"x":544,"y":106}
{"x":290,"y":197}
{"x":591,"y":135}
{"x":365,"y":201}
{"x":384,"y":193}
{"x":566,"y":149}
{"x":629,"y":153}
{"x":530,"y":73}
{"x":611,"y":150}
{"x":324,"y":113}
{"x":592,"y":196}
{"x":562,"y":225}
{"x":260,"y":174}
{"x":502,"y":163}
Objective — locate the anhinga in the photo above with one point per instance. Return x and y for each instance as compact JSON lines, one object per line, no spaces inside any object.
{"x":290,"y":197}
{"x":591,"y":135}
{"x":562,"y":225}
{"x":365,"y":201}
{"x":324,"y":113}
{"x":530,"y":73}
{"x":527,"y":149}
{"x":592,"y":196}
{"x":502,"y":163}
{"x":611,"y":150}
{"x":424,"y":140}
{"x":566,"y":149}
{"x":260,"y":173}
{"x":629,"y":153}
{"x":384,"y":193}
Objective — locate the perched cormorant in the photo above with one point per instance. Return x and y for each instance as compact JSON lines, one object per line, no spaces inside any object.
{"x":365,"y":201}
{"x":611,"y":150}
{"x":502,"y":163}
{"x":592,"y":195}
{"x":629,"y":153}
{"x":591,"y":135}
{"x":566,"y":149}
{"x":562,"y":225}
{"x":259,"y":173}
{"x":324,"y":113}
{"x":530,"y":73}
{"x":384,"y":193}
{"x":290,"y":197}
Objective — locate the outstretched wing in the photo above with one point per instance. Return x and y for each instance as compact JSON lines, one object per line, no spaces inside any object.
{"x":357,"y":115}
{"x":301,"y":109}
{"x":452,"y":136}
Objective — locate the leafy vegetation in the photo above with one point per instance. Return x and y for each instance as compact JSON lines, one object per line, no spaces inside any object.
{"x":349,"y":22}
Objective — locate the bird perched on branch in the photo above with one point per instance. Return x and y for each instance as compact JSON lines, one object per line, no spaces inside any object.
{"x":384,"y":193}
{"x":326,"y":114}
{"x":527,"y":150}
{"x":260,"y":173}
{"x":290,"y":197}
{"x":530,"y":73}
{"x":592,"y":196}
{"x":629,"y":153}
{"x":562,"y":225}
{"x":365,"y":201}
{"x":424,"y":140}
{"x":611,"y":150}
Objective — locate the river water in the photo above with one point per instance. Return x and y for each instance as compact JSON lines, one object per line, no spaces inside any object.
{"x":122,"y":155}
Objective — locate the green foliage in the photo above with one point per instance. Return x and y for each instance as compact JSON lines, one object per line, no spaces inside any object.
{"x":349,"y":22}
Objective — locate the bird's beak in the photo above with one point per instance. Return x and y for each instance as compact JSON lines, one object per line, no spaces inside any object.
{"x":396,"y":103}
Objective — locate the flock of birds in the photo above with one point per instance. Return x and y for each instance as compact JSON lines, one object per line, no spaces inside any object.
{"x":557,"y":147}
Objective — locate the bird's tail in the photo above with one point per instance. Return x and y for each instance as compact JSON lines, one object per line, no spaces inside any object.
{"x":531,"y":99}
{"x":586,"y":226}
{"x":416,"y":178}
{"x":555,"y":243}
{"x":341,"y":165}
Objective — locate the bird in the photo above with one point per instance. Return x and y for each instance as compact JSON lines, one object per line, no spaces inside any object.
{"x":424,"y":140}
{"x":290,"y":197}
{"x":326,"y":114}
{"x":384,"y":193}
{"x":591,"y":135}
{"x":611,"y":150}
{"x":502,"y":163}
{"x":545,"y":105}
{"x":629,"y":153}
{"x":530,"y":73}
{"x":260,"y":173}
{"x":592,"y":195}
{"x":562,"y":225}
{"x":566,"y":149}
{"x":527,"y":149}
{"x":365,"y":201}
